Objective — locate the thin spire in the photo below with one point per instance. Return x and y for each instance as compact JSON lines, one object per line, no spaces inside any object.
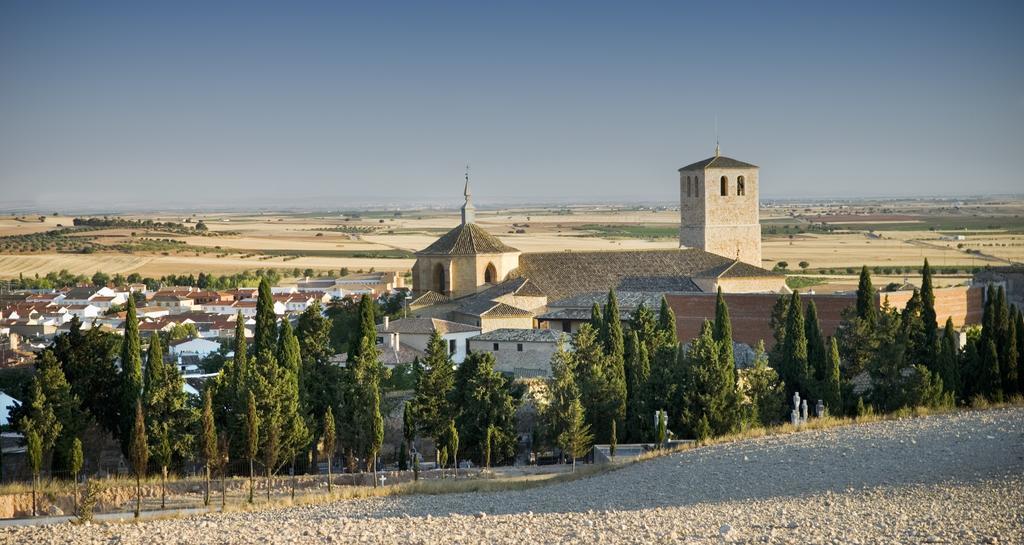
{"x":468,"y":212}
{"x":716,"y":136}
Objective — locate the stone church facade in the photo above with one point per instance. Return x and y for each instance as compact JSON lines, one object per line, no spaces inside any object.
{"x":471,"y":276}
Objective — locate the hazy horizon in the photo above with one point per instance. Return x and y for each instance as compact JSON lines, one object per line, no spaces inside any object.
{"x":116,"y":105}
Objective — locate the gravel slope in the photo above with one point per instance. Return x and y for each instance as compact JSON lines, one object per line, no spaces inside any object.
{"x":955,"y":478}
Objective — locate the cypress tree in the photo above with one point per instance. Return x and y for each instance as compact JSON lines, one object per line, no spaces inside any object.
{"x":644,"y":323}
{"x":990,"y":383}
{"x":1009,"y":365}
{"x":209,"y":440}
{"x":667,"y":323}
{"x":1019,"y":330}
{"x":576,"y":439}
{"x":452,"y":445}
{"x":866,"y":297}
{"x":162,"y":453}
{"x":988,"y":317}
{"x":252,"y":438}
{"x":831,"y":391}
{"x":708,"y":385}
{"x":431,"y":406}
{"x":153,"y":373}
{"x":131,"y":374}
{"x":723,"y":333}
{"x":612,"y":328}
{"x":365,"y":327}
{"x":34,"y":453}
{"x":408,"y":426}
{"x":295,"y":435}
{"x":271,"y":449}
{"x":946,"y":362}
{"x":793,"y":364}
{"x":75,"y":463}
{"x":562,"y":391}
{"x":928,"y":316}
{"x":639,"y":373}
{"x":139,"y":450}
{"x":614,"y":348}
{"x":970,"y":369}
{"x":1006,"y":343}
{"x":817,"y":355}
{"x":265,"y":334}
{"x":240,"y":344}
{"x":329,"y":444}
{"x":596,"y":317}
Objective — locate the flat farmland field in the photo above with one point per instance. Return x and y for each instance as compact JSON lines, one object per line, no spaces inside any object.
{"x":830,"y":238}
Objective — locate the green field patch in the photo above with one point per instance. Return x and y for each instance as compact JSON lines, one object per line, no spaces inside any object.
{"x":630,"y":231}
{"x":372,"y":254}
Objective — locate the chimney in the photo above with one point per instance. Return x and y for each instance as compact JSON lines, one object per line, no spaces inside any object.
{"x":386,"y":322}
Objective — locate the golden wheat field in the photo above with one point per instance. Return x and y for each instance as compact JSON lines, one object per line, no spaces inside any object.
{"x":386,"y":240}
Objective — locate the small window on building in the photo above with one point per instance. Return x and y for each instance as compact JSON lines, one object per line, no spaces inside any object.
{"x":451,"y":346}
{"x":688,"y":190}
{"x":519,"y":347}
{"x":696,"y":186}
{"x":741,"y":186}
{"x":380,"y":340}
{"x":495,"y":347}
{"x":725,"y":186}
{"x":566,"y":326}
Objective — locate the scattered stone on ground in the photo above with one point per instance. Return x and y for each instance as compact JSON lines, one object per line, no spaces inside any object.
{"x":956,"y":478}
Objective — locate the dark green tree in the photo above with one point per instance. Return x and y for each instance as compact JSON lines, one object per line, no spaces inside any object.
{"x":576,"y":439}
{"x":488,"y":401}
{"x":208,"y":437}
{"x":131,"y":374}
{"x":817,"y":354}
{"x":265,"y":330}
{"x":638,"y":374}
{"x":723,"y":332}
{"x":139,"y":453}
{"x":75,"y":462}
{"x":431,"y":406}
{"x":252,"y":439}
{"x":866,"y":309}
{"x":765,"y":393}
{"x":792,"y":366}
{"x":34,"y":453}
{"x":329,"y":445}
{"x":831,"y":385}
{"x":667,"y":323}
{"x":321,"y":383}
{"x":709,"y":386}
{"x":946,"y":366}
{"x":931,"y":346}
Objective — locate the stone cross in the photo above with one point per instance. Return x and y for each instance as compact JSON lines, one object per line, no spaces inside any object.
{"x":794,"y":416}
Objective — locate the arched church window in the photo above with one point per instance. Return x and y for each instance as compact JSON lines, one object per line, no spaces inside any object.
{"x":688,"y":192}
{"x":741,"y":186}
{"x":725,"y":186}
{"x":490,"y":274}
{"x":439,"y":279}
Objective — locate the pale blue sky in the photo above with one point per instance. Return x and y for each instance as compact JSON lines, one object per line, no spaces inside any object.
{"x":332,"y":103}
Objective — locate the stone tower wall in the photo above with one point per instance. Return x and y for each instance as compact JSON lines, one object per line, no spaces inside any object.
{"x":724,"y":225}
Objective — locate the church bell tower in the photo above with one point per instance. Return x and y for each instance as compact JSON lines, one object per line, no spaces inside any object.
{"x":718,"y":208}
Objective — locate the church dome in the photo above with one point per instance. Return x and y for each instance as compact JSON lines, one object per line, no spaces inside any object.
{"x":467,"y":239}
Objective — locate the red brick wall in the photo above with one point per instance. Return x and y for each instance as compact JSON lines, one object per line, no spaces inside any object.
{"x":751,"y":312}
